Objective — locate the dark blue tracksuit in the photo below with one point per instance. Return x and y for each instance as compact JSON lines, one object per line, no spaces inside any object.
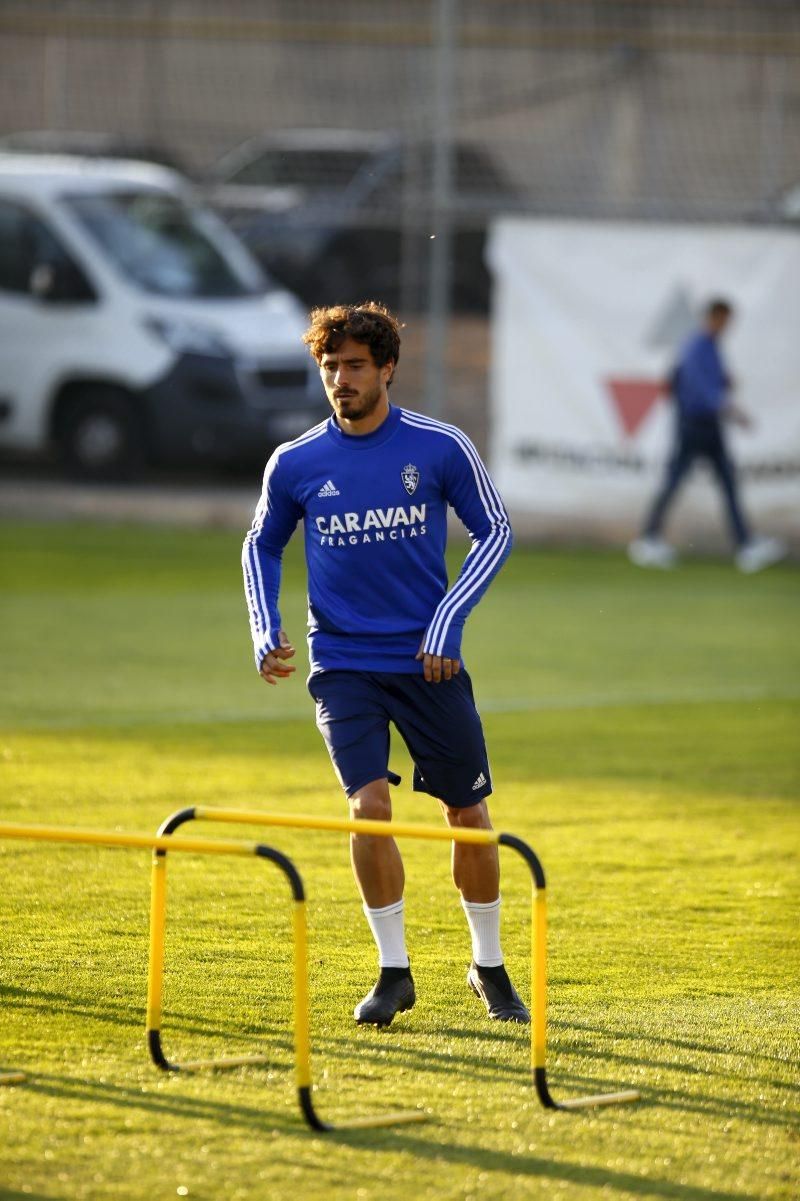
{"x":700,"y":385}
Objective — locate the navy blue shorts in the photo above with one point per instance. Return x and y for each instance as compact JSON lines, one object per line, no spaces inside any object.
{"x":438,"y":723}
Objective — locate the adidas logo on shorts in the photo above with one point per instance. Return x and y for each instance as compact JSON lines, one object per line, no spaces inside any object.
{"x":328,"y":489}
{"x":479,"y":783}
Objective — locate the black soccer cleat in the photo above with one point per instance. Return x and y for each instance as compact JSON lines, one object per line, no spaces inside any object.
{"x":503,"y":1002}
{"x":393,"y":993}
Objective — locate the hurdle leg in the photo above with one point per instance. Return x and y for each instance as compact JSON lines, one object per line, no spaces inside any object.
{"x":302,"y":1039}
{"x":539,"y":993}
{"x":155,"y":983}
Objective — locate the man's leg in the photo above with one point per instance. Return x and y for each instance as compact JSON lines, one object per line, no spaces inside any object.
{"x":677,"y":468}
{"x":650,"y":549}
{"x":352,"y":719}
{"x":751,"y":554}
{"x":726,"y":475}
{"x":476,"y":869}
{"x":376,"y":861}
{"x":379,"y":873}
{"x":476,"y":874}
{"x":442,"y":730}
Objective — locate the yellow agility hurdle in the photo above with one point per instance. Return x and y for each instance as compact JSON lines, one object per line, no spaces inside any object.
{"x":159,"y":845}
{"x":382,"y":829}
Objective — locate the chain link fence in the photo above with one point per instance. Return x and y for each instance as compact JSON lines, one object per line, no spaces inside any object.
{"x":661,"y":109}
{"x":451,"y":111}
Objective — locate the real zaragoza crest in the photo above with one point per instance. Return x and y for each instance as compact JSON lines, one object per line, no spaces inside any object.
{"x":410,"y":478}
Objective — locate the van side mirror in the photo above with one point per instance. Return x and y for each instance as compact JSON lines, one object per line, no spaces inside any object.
{"x":60,"y":283}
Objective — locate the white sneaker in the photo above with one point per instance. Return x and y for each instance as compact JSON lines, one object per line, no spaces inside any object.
{"x":652,"y":552}
{"x":759,"y":553}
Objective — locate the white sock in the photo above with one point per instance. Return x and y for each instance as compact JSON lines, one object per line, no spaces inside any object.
{"x":388,"y":930}
{"x":484,"y":926}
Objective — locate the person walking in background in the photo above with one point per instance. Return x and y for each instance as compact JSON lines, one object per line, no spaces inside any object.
{"x":372,"y":486}
{"x":701,"y":387}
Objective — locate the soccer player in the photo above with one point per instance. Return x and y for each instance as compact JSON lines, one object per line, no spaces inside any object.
{"x":372,"y":485}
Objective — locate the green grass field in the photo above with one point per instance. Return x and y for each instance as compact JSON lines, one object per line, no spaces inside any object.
{"x":644,"y":738}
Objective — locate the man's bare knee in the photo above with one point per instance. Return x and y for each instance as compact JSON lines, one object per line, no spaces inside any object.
{"x":372,"y":802}
{"x":475,"y":817}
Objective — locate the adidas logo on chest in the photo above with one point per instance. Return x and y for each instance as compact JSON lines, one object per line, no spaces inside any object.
{"x":328,"y":489}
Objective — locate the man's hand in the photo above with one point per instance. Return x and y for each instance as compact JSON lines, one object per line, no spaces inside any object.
{"x":273,"y":665}
{"x":436,"y":668}
{"x":738,"y":417}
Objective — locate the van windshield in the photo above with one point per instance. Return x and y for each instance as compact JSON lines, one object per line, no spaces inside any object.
{"x":166,"y":247}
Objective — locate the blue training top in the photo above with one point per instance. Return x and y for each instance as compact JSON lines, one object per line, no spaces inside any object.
{"x":701,"y":383}
{"x":374,"y":508}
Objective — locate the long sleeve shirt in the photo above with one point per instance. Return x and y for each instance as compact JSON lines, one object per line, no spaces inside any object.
{"x":374,"y":513}
{"x":701,"y":381}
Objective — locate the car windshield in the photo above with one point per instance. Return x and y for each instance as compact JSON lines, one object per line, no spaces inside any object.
{"x":313,"y":170}
{"x":165,"y":246}
{"x":369,"y":175}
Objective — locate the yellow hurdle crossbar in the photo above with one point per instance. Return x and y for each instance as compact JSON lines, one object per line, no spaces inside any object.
{"x":391,"y":830}
{"x":300,"y":821}
{"x":117,"y":838}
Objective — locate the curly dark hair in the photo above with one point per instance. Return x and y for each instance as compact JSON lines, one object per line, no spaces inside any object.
{"x":370,"y":323}
{"x":719,"y":307}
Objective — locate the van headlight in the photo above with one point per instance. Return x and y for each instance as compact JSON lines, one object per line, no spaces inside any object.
{"x":188,"y":337}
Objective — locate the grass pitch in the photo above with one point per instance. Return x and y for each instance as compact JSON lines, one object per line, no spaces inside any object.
{"x":643,"y":735}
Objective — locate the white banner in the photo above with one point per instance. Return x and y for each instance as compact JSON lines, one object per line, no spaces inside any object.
{"x":587,"y":321}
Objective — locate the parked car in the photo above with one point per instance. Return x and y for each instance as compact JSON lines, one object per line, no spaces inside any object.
{"x":89,"y":143}
{"x":135,"y":326}
{"x":331,"y":213}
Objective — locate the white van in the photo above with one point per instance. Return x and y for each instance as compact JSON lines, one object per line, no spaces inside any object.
{"x":134,"y":325}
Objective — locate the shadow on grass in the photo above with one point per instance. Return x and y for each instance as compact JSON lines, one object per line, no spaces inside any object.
{"x":435,"y":1149}
{"x":158,"y":1102}
{"x":120,"y":1013}
{"x":132,"y":1015}
{"x":394,"y":1050}
{"x":551,"y":1170}
{"x":683,"y":1044}
{"x":726,"y":1107}
{"x":400,"y":1049}
{"x":394,"y":1054}
{"x":709,"y":1105}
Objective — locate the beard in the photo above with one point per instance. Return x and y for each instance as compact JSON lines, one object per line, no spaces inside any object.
{"x":357,"y":407}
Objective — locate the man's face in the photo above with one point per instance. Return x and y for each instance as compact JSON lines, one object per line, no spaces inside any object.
{"x":353,"y":382}
{"x":718,"y":322}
